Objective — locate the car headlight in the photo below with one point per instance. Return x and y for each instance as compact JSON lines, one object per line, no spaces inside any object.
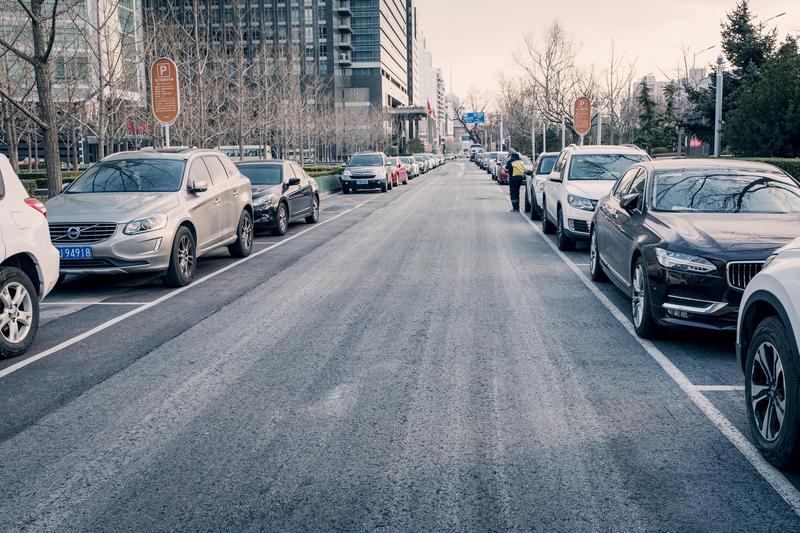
{"x":347,"y":173}
{"x":143,"y":225}
{"x":683,"y":262}
{"x":264,"y":201}
{"x":578,"y":202}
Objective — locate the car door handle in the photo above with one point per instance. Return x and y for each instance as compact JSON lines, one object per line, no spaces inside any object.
{"x":217,"y":201}
{"x":235,"y":192}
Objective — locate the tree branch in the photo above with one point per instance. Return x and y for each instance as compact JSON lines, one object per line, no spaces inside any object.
{"x":24,"y":110}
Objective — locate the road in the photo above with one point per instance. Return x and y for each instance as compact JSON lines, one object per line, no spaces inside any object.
{"x":423,"y":360}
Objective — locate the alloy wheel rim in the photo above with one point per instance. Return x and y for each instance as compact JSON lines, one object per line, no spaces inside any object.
{"x":16,"y":318}
{"x":315,"y":208}
{"x":637,"y":299}
{"x":593,"y":253}
{"x":282,"y":218}
{"x":185,"y":255}
{"x":247,"y":232}
{"x":768,"y":391}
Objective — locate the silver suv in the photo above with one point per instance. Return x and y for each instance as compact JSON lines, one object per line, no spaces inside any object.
{"x":152,"y":211}
{"x":367,"y":170}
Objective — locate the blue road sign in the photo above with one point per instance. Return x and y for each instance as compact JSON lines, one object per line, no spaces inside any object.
{"x":474,"y":118}
{"x":465,"y":138}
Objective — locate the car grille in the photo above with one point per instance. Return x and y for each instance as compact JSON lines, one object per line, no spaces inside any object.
{"x":741,"y":272}
{"x":363,"y":176}
{"x":579,"y":225}
{"x":99,"y":262}
{"x":84,"y":233}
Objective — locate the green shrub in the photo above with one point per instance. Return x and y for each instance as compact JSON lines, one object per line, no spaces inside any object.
{"x":30,"y":186}
{"x":322,"y":170}
{"x":789,"y":165}
{"x":659,"y":150}
{"x":41,"y":177}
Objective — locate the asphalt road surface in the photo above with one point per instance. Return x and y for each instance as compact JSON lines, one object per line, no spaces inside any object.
{"x":422,"y":360}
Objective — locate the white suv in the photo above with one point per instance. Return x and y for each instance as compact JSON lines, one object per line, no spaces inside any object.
{"x":28,"y":263}
{"x":767,"y":340}
{"x":581,"y":176}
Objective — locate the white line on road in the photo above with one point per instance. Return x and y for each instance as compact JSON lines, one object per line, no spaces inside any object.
{"x":93,"y":303}
{"x":771,"y":474}
{"x":105,"y":325}
{"x":720,"y":388}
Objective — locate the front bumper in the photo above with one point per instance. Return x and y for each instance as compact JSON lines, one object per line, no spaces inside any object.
{"x":577,"y":222}
{"x":126,"y":254}
{"x":265,"y":216}
{"x":355,"y":183}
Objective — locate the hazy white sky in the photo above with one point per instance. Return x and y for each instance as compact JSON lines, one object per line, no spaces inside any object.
{"x":475,"y":39}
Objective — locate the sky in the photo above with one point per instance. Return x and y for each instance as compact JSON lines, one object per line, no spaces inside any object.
{"x":474,"y":40}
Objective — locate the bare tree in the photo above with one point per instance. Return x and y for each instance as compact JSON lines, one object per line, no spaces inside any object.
{"x":476,"y":101}
{"x":617,"y":80}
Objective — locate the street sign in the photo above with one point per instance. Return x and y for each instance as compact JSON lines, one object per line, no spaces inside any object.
{"x":165,"y":91}
{"x":465,"y":138}
{"x":582,"y":116}
{"x":474,"y":118}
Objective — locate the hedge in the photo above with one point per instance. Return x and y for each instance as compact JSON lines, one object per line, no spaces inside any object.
{"x":790,"y":165}
{"x":41,"y":177}
{"x":322,"y":170}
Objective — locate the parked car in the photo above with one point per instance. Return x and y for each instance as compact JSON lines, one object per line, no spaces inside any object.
{"x":412,"y":167}
{"x":503,"y":177}
{"x":152,"y":211}
{"x":282,"y":193}
{"x":367,"y":170}
{"x":582,"y":175}
{"x":767,"y":349}
{"x":534,"y":183}
{"x":497,"y":163}
{"x":422,"y":161}
{"x":399,"y":172}
{"x":683,"y":238}
{"x":28,"y":263}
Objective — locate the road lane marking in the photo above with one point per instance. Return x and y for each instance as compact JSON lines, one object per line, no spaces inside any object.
{"x":105,"y":325}
{"x":720,"y":388}
{"x":772,"y":475}
{"x":91,"y":303}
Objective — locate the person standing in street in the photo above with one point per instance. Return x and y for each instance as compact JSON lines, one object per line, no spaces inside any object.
{"x":516,"y":177}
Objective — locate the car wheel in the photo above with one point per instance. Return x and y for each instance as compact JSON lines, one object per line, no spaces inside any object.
{"x":19,"y":312}
{"x":244,"y":236}
{"x":536,"y":214}
{"x":527,"y":201}
{"x":595,"y":267}
{"x":641,"y":313}
{"x":314,"y":216}
{"x":345,"y":190}
{"x":282,"y":225}
{"x":385,"y":187}
{"x":564,"y":243}
{"x":771,"y":392}
{"x":547,"y":226}
{"x":183,"y":260}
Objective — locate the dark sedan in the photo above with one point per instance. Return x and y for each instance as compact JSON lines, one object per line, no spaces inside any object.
{"x":282,"y":193}
{"x":683,"y":238}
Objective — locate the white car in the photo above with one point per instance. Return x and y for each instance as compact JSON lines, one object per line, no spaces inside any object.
{"x":498,"y":161}
{"x":28,"y":263}
{"x":581,"y":176}
{"x":767,"y":340}
{"x":534,"y":182}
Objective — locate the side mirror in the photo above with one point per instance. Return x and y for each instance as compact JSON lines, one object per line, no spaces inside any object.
{"x":293,"y":182}
{"x":199,"y":186}
{"x":629,"y":202}
{"x":555,"y":176}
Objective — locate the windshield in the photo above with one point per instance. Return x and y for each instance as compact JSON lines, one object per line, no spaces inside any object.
{"x":263,"y":174}
{"x":366,"y":161}
{"x":546,"y":164}
{"x":419,"y":158}
{"x":727,"y":192}
{"x":602,"y":166}
{"x":131,"y":175}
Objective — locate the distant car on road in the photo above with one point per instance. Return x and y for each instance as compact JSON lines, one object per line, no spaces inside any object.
{"x":152,"y":211}
{"x":367,"y":170}
{"x":683,"y":238}
{"x":767,"y":345}
{"x":581,"y":176}
{"x":399,"y":171}
{"x":534,"y":183}
{"x":497,"y":162}
{"x":422,"y":161}
{"x":28,"y":263}
{"x":412,"y":167}
{"x":282,"y":193}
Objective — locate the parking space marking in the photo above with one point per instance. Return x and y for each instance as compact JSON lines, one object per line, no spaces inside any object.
{"x":772,"y":475}
{"x":92,"y":303}
{"x":720,"y":388}
{"x":133,"y":312}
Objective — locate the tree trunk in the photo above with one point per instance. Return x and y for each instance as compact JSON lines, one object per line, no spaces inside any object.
{"x":12,"y":137}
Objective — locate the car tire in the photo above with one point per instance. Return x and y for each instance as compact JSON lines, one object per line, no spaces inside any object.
{"x":282,"y":222}
{"x":641,"y":312}
{"x":527,"y":201}
{"x":596,"y":271}
{"x":385,"y":187}
{"x":547,"y":226}
{"x":244,"y":236}
{"x":345,"y":190}
{"x":182,"y":260}
{"x":535,"y":212}
{"x":19,"y":307}
{"x":314,"y":216}
{"x":771,"y":351}
{"x":565,"y":244}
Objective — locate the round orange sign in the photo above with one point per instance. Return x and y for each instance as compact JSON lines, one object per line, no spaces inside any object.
{"x":165,"y":91}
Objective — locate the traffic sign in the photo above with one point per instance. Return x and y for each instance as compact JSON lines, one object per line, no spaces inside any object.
{"x":474,"y":118}
{"x":165,"y":90}
{"x":465,"y":138}
{"x":582,"y":116}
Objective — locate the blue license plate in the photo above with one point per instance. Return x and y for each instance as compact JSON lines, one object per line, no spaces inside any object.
{"x":74,"y":253}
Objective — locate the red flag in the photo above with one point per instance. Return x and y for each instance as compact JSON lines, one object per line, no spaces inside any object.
{"x":431,"y":112}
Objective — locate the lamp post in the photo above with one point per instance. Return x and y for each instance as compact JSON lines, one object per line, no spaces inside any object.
{"x":694,"y":59}
{"x":718,"y":114}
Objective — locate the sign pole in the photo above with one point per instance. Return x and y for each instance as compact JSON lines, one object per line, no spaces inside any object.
{"x":166,"y":135}
{"x":544,"y":137}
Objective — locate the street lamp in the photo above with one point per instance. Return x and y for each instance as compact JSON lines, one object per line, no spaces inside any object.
{"x":773,"y":18}
{"x":718,"y":114}
{"x":694,"y":59}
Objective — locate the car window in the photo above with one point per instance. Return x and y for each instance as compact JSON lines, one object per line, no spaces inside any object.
{"x":546,"y":164}
{"x":230,"y":168}
{"x":288,"y":172}
{"x":198,"y":172}
{"x":624,"y":183}
{"x":263,"y":174}
{"x":215,"y":168}
{"x":371,"y":160}
{"x":637,"y":187}
{"x":724,"y":191}
{"x":601,"y":167}
{"x":298,"y":171}
{"x":131,"y":175}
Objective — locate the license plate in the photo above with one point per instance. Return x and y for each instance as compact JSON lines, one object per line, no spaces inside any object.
{"x":73,"y":253}
{"x":361,"y":182}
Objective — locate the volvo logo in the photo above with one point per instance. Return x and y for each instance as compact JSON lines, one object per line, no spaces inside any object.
{"x":74,"y":233}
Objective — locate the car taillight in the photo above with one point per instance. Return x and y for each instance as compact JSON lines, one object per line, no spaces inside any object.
{"x":36,"y":204}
